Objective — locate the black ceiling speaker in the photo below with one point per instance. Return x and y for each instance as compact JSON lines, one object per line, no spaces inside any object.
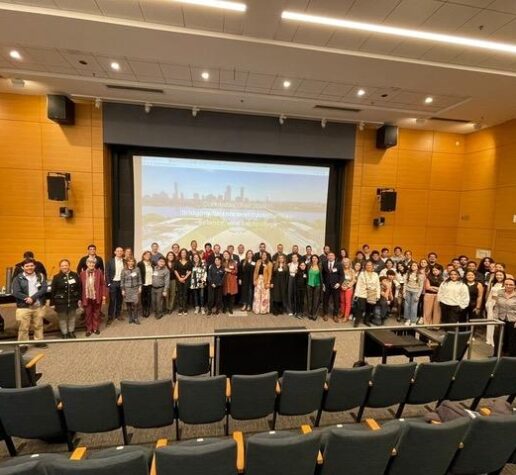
{"x":57,"y":186}
{"x":60,"y":109}
{"x":387,"y":136}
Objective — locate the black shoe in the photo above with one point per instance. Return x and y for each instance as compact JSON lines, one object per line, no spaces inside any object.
{"x":109,"y":321}
{"x":41,"y":345}
{"x":137,"y":322}
{"x":64,"y":336}
{"x":231,"y":312}
{"x":208,"y":312}
{"x":88,"y":333}
{"x":159,"y":317}
{"x":24,"y":349}
{"x":97,"y":332}
{"x":71,"y":335}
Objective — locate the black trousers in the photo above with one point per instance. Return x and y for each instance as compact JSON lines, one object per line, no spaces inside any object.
{"x":362,"y":309}
{"x":509,"y":340}
{"x":115,"y":300}
{"x":215,"y":298}
{"x":228,"y":302}
{"x":146,"y":300}
{"x":333,"y":295}
{"x":182,"y":296}
{"x":313,"y":298}
{"x":452,"y":314}
{"x":299,"y":301}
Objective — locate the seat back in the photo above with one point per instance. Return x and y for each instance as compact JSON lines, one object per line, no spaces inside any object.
{"x":321,"y":353}
{"x":195,"y":457}
{"x":503,"y":382}
{"x":147,"y":403}
{"x":431,"y":382}
{"x":488,"y":445}
{"x":7,"y":377}
{"x":30,"y":413}
{"x":471,"y":379}
{"x":428,"y":449}
{"x":133,"y":463}
{"x":253,"y":397}
{"x":27,"y":467}
{"x":301,"y":391}
{"x":359,"y":451}
{"x":347,"y":388}
{"x":90,"y":408}
{"x":288,"y":454}
{"x":193,"y":359}
{"x":444,"y":352}
{"x":391,"y":383}
{"x":201,"y":400}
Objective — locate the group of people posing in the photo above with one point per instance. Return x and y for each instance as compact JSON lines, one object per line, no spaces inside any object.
{"x":367,"y":287}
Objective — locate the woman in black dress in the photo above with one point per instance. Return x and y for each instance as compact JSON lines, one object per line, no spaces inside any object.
{"x":476,"y":295}
{"x":279,"y":286}
{"x":183,"y":270}
{"x":246,"y":280}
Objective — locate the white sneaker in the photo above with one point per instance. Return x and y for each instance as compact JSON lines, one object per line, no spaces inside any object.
{"x":196,"y":311}
{"x":407,"y":323}
{"x":203,"y":312}
{"x":290,"y":314}
{"x":180,"y":313}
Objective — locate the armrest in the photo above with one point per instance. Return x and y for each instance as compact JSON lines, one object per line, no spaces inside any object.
{"x":78,"y":454}
{"x":212,"y":352}
{"x":306,"y":429}
{"x":119,"y":401}
{"x":228,"y":387}
{"x":435,"y":422}
{"x":34,"y":361}
{"x":238,"y":437}
{"x":485,"y":411}
{"x":159,"y":443}
{"x":372,"y":424}
{"x":278,"y":387}
{"x":176,"y":392}
{"x":174,"y":355}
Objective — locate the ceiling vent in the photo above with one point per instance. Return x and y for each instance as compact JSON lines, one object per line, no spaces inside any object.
{"x":135,"y":89}
{"x":336,"y":108}
{"x":455,"y":121}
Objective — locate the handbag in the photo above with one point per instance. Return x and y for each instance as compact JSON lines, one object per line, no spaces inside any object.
{"x":371,"y":296}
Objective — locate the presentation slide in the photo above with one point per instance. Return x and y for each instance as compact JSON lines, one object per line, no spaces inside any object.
{"x":228,"y":202}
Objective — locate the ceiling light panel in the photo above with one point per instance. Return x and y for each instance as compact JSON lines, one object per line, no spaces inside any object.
{"x":220,"y":4}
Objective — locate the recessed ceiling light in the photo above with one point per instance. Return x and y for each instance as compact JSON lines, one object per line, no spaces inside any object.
{"x":15,"y":54}
{"x":401,"y":32}
{"x":115,"y":66}
{"x":224,"y":5}
{"x":429,"y":100}
{"x":205,"y":75}
{"x":287,"y":84}
{"x":360,"y":92}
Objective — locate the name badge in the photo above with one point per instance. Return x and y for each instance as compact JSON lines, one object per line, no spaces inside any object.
{"x":155,"y":274}
{"x":71,"y":281}
{"x":280,"y":269}
{"x":133,"y":274}
{"x":253,"y":263}
{"x":231,"y":267}
{"x":334,"y":270}
{"x":38,"y":285}
{"x":304,"y":276}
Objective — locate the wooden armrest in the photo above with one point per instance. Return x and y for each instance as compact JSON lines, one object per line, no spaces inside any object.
{"x":306,"y":429}
{"x":174,"y":354}
{"x":119,"y":401}
{"x":238,"y":437}
{"x":34,"y":361}
{"x":278,"y":387}
{"x":59,"y":406}
{"x":78,"y":454}
{"x":485,"y":411}
{"x":159,"y":443}
{"x":176,"y":391}
{"x":228,"y":387}
{"x":435,"y":422}
{"x":372,"y":424}
{"x":212,"y":352}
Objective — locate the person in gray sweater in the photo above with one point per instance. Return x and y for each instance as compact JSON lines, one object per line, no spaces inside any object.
{"x":131,"y":285}
{"x":160,"y":284}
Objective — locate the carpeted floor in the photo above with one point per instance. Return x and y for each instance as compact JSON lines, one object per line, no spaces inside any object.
{"x":82,"y":363}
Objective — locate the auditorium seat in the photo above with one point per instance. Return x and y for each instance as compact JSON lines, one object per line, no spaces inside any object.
{"x":201,"y":400}
{"x":357,"y":449}
{"x":444,"y":351}
{"x":147,"y":404}
{"x":301,"y":393}
{"x":389,"y":385}
{"x":282,"y":452}
{"x":91,"y":408}
{"x":191,"y":359}
{"x":208,"y":456}
{"x":428,"y":449}
{"x":488,"y":446}
{"x":502,"y":381}
{"x":29,"y":376}
{"x":430,"y":383}
{"x":31,"y":413}
{"x":471,"y":379}
{"x":252,"y":396}
{"x":322,"y":353}
{"x":346,"y":389}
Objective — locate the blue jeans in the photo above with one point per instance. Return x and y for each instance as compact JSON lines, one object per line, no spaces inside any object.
{"x":198,"y":297}
{"x":411,"y":303}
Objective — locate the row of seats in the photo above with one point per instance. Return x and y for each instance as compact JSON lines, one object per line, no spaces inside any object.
{"x":37,"y":412}
{"x":464,"y":446}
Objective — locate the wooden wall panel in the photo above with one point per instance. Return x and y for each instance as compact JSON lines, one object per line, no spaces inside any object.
{"x":446,"y":171}
{"x":21,"y":145}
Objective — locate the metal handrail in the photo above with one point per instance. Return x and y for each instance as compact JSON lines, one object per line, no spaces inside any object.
{"x":155,"y":338}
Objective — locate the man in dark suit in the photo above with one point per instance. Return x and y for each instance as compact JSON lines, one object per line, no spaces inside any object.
{"x":332,"y":277}
{"x":262,"y":248}
{"x":92,"y":254}
{"x":295,"y":250}
{"x":114,"y":269}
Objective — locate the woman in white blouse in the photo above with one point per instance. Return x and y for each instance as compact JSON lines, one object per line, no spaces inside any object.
{"x":367,"y":294}
{"x":493,"y":290}
{"x":453,"y":296}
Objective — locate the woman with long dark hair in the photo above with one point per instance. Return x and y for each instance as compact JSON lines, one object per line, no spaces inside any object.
{"x":146,"y":268}
{"x":198,"y":282}
{"x":349,"y":278}
{"x":431,"y":307}
{"x":245,"y":278}
{"x":279,"y":286}
{"x":494,"y":287}
{"x":262,"y":284}
{"x":505,"y":311}
{"x":230,"y":284}
{"x":453,"y":296}
{"x":170,"y":259}
{"x":476,"y":294}
{"x":215,"y":281}
{"x":367,"y":295}
{"x":414,"y":281}
{"x":314,"y":287}
{"x":183,"y":271}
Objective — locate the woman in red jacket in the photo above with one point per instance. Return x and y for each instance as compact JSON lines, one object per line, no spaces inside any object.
{"x":230,"y":284}
{"x":93,"y":296}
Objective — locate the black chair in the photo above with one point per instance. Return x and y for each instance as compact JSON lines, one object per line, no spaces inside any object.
{"x":301,"y":393}
{"x":147,"y":404}
{"x":29,"y":376}
{"x":322,"y":353}
{"x":200,"y":400}
{"x":444,"y":351}
{"x":195,"y":457}
{"x":488,"y":446}
{"x":31,"y":413}
{"x":91,"y":408}
{"x":428,"y":449}
{"x":252,"y":397}
{"x":430,"y":383}
{"x":354,"y":449}
{"x":346,"y":389}
{"x":389,"y":386}
{"x":191,"y":359}
{"x":34,"y":464}
{"x":471,"y":379}
{"x":284,"y":453}
{"x":502,"y":381}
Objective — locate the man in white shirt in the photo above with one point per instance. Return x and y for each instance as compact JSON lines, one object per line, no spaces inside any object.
{"x":241,"y":252}
{"x":113,"y":275}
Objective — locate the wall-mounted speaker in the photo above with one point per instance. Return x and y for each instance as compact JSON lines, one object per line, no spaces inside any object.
{"x":388,"y":200}
{"x":57,"y":188}
{"x":387,"y":136}
{"x":60,"y":109}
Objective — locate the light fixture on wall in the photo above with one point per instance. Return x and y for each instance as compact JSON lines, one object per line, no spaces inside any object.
{"x":65,"y":212}
{"x":377,"y":222}
{"x":323,"y":123}
{"x":361,"y":126}
{"x":195,"y":111}
{"x":282,"y":119}
{"x":17,"y":83}
{"x":147,"y":107}
{"x":98,"y":102}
